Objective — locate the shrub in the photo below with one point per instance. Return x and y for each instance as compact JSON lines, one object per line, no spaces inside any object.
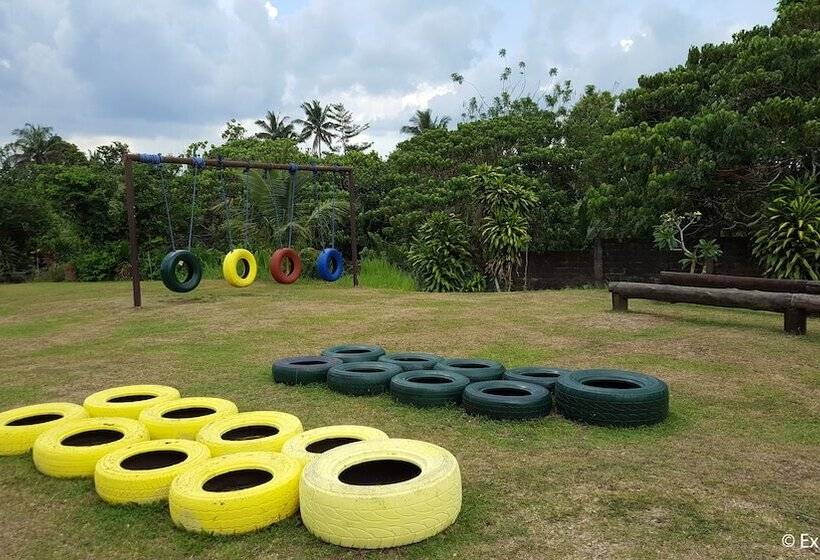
{"x":787,"y":238}
{"x":440,"y":256}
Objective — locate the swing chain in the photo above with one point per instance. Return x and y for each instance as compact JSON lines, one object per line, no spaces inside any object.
{"x":292,"y":169}
{"x":247,"y":181}
{"x":224,"y":193}
{"x":164,"y":187}
{"x":198,"y":163}
{"x":333,"y":213}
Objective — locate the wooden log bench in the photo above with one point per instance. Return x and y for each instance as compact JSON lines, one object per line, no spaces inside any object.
{"x":740,"y":282}
{"x":794,"y":306}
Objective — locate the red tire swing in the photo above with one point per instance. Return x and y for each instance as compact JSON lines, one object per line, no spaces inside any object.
{"x":287,"y":256}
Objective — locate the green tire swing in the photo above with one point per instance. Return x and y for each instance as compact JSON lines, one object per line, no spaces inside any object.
{"x":285,"y":264}
{"x":330,"y":264}
{"x":179,"y":259}
{"x":237,"y":257}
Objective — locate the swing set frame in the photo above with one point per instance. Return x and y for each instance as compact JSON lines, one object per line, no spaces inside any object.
{"x":128,"y":160}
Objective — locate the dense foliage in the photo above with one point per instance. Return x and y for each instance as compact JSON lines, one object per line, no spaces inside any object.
{"x":522,"y":172}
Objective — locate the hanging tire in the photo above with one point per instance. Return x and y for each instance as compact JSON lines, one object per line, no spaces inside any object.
{"x":409,"y":361}
{"x":380,"y":494}
{"x":427,"y":388}
{"x":472,"y":368}
{"x":230,"y":263}
{"x":330,"y":264}
{"x":309,"y":445}
{"x":354,"y":352}
{"x":278,"y":259}
{"x":171,"y":264}
{"x":361,"y":378}
{"x":301,"y":370}
{"x":540,"y":375}
{"x":500,"y":399}
{"x":235,"y":494}
{"x":72,"y":449}
{"x":142,"y":473}
{"x":128,"y":401}
{"x":261,"y":430}
{"x":19,"y":427}
{"x":183,"y":418}
{"x":608,"y":397}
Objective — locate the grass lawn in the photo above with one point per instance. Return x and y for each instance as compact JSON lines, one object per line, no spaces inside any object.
{"x":733,"y":468}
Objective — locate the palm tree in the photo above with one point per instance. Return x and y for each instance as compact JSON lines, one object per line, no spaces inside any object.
{"x":34,"y":143}
{"x":319,"y":124}
{"x":424,"y":120}
{"x":274,"y":128}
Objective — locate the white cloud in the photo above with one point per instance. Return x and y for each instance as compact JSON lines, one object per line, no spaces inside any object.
{"x":273,"y":11}
{"x":626,"y":44}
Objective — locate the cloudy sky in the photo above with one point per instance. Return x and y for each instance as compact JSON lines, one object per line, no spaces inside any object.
{"x":159,"y":74}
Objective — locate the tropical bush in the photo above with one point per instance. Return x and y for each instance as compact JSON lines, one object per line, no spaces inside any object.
{"x":787,"y":237}
{"x":440,"y":256}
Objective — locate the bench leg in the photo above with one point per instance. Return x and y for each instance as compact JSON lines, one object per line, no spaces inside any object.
{"x":619,"y":302}
{"x":794,"y":321}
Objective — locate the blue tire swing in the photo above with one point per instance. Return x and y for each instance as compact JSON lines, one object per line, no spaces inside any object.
{"x":178,"y":259}
{"x":287,"y":256}
{"x":330,"y":264}
{"x":237,"y":256}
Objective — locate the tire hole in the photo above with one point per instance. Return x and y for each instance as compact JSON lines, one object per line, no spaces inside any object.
{"x":611,"y":384}
{"x":131,"y":398}
{"x":411,"y":359}
{"x":352,"y":351}
{"x":250,"y":432}
{"x":469,"y":365}
{"x":237,"y":480}
{"x":330,"y":443}
{"x":91,"y":438}
{"x":379,"y":472}
{"x":429,"y":379}
{"x":35,"y":419}
{"x":507,"y":392}
{"x":246,"y":268}
{"x":365,"y":370}
{"x":189,"y":412}
{"x":308,"y":363}
{"x":153,"y":460}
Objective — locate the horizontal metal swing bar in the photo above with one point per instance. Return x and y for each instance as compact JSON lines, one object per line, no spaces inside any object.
{"x":245,"y":164}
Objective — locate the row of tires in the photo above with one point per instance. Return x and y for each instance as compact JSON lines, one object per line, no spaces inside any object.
{"x":228,"y":472}
{"x":239,"y":268}
{"x":595,"y":396}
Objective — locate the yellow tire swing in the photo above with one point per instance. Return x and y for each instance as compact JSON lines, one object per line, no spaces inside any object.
{"x":237,"y":257}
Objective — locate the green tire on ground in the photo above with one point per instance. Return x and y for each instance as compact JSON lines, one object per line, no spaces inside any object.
{"x":170,"y":265}
{"x":608,"y":397}
{"x":349,"y":353}
{"x":472,"y":368}
{"x":410,"y":361}
{"x":503,"y":399}
{"x":301,"y":370}
{"x":361,"y":378}
{"x":428,"y":388}
{"x":540,"y":375}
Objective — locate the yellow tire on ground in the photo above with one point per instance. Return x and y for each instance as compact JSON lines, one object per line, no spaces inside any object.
{"x":378,"y":494}
{"x":233,"y":260}
{"x":309,"y":445}
{"x":183,"y":418}
{"x":128,"y":401}
{"x":72,"y":449}
{"x":262,"y":430}
{"x":142,"y":473}
{"x":236,"y":493}
{"x":19,"y":427}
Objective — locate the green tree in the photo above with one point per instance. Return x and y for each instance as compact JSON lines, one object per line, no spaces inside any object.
{"x":234,"y":130}
{"x":440,"y":256}
{"x":317,"y":124}
{"x":275,"y":128}
{"x":347,"y":130}
{"x":423,"y":121}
